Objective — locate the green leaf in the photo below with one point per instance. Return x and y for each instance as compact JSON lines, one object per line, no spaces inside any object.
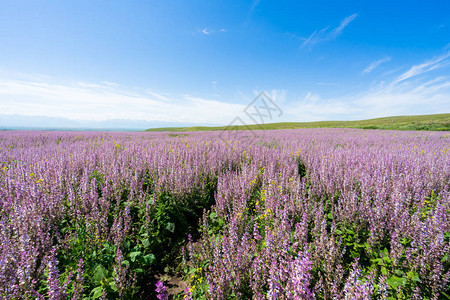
{"x":127,"y":244}
{"x":134,"y":255}
{"x":107,"y":247}
{"x":145,"y":243}
{"x":149,"y":259}
{"x":354,"y":254}
{"x":447,"y":236}
{"x":405,"y":241}
{"x":378,"y":261}
{"x":100,"y":272}
{"x":112,"y":284}
{"x":395,"y":281}
{"x":125,"y":263}
{"x":170,"y":226}
{"x":97,"y":292}
{"x":139,"y":271}
{"x":413,"y":276}
{"x":350,"y":232}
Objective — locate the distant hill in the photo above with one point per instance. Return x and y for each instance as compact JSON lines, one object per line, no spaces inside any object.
{"x":23,"y":122}
{"x":438,"y":122}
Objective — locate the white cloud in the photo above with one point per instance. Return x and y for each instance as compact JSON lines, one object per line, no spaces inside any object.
{"x":277,"y":95}
{"x":327,"y":83}
{"x":430,"y":65}
{"x":344,"y":23}
{"x":310,"y":97}
{"x":157,"y":96}
{"x":324,"y":34}
{"x":375,"y":64}
{"x":214,"y":84}
{"x":207,"y":31}
{"x":404,"y":95}
{"x":99,"y":101}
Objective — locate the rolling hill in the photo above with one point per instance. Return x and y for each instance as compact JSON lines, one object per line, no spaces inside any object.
{"x":436,"y":122}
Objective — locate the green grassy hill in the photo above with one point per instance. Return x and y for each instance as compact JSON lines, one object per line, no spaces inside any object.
{"x":439,"y":122}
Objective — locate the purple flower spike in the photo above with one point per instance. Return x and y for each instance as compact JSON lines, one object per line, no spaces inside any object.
{"x":161,"y":290}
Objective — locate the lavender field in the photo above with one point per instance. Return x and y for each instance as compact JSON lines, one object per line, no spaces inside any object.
{"x":292,"y":214}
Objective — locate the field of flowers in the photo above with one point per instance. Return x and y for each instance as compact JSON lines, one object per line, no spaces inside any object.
{"x":291,"y":214}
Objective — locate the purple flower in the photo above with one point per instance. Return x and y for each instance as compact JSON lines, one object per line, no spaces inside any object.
{"x":161,"y":290}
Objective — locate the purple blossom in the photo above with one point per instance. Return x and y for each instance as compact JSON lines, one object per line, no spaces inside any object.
{"x":282,"y":226}
{"x":161,"y":290}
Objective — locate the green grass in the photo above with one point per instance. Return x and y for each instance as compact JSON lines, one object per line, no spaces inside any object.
{"x":438,"y":122}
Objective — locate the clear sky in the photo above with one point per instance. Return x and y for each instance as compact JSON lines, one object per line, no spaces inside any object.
{"x":204,"y":61}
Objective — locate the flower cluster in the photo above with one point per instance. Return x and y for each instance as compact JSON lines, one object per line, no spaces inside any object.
{"x":299,"y":214}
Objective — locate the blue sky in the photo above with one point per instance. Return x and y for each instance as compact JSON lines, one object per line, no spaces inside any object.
{"x":204,"y":61}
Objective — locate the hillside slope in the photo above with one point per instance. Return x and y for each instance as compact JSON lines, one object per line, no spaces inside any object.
{"x":438,"y":122}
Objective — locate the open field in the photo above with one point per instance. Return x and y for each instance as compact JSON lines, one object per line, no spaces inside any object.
{"x":439,"y":122}
{"x":292,"y":214}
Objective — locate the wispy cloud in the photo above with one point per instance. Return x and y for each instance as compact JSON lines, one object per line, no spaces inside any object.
{"x":325,"y":34}
{"x":204,"y":31}
{"x":327,"y":83}
{"x":311,"y":97}
{"x":103,"y":101}
{"x":430,"y":65}
{"x":294,"y":36}
{"x":402,"y":95}
{"x":407,"y":93}
{"x":375,"y":64}
{"x":214,"y":84}
{"x":207,"y":31}
{"x":250,"y":12}
{"x":344,"y":23}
